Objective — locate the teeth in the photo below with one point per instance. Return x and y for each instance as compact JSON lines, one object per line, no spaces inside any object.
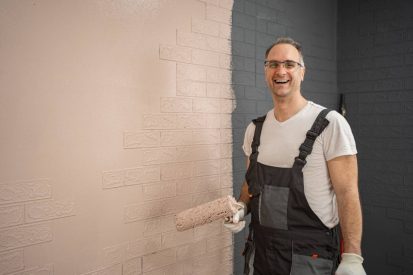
{"x":281,"y":81}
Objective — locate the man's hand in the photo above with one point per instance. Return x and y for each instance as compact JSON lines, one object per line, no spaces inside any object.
{"x":351,"y":264}
{"x":236,"y":223}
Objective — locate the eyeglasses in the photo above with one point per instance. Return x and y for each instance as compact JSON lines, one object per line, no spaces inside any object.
{"x":289,"y":65}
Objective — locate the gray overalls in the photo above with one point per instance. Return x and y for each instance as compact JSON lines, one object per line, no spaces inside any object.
{"x":286,"y":236}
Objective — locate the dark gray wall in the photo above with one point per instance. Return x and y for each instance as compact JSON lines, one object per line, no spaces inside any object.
{"x":375,"y":72}
{"x":256,"y":25}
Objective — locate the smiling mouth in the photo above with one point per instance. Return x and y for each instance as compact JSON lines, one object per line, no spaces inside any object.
{"x":281,"y":81}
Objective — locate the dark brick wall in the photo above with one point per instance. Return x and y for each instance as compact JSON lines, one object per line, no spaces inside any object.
{"x":375,"y":72}
{"x":256,"y":25}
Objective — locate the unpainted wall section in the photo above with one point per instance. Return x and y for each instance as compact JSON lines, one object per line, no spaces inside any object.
{"x":255,"y":26}
{"x":375,"y":72}
{"x":115,"y":115}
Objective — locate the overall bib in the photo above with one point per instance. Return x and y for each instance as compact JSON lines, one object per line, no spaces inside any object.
{"x":286,"y":236}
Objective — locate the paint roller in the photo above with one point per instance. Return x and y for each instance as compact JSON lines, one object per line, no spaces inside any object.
{"x":224,"y":207}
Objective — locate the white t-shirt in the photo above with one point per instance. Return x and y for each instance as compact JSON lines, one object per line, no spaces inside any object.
{"x":279,"y":145}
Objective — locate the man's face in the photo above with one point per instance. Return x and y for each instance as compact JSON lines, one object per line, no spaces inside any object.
{"x":284,"y":82}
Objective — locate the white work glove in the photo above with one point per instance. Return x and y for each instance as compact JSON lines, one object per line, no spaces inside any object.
{"x":236,"y":223}
{"x":351,"y":264}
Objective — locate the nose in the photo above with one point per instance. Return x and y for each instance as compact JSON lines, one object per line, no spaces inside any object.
{"x":281,"y":70}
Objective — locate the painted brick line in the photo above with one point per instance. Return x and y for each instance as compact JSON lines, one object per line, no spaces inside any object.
{"x":156,"y":208}
{"x":226,"y":4}
{"x":206,"y":105}
{"x":184,"y":143}
{"x":190,"y":72}
{"x":159,"y":259}
{"x":23,"y":236}
{"x":20,"y":222}
{"x":22,"y":191}
{"x":174,"y":239}
{"x":226,"y":180}
{"x":176,"y":105}
{"x":194,"y":57}
{"x":185,"y":87}
{"x":195,"y":185}
{"x":185,"y":256}
{"x":115,"y":269}
{"x":159,"y":121}
{"x":143,"y":247}
{"x":215,"y":135}
{"x":11,"y":215}
{"x":191,"y":250}
{"x":210,"y":2}
{"x":132,"y":267}
{"x":203,"y":26}
{"x":158,"y":225}
{"x":11,"y":261}
{"x":48,"y":210}
{"x":175,"y":53}
{"x":206,"y":58}
{"x":151,"y":253}
{"x":187,"y":121}
{"x":201,"y":198}
{"x":47,"y":269}
{"x":184,"y":267}
{"x":213,"y":90}
{"x":140,"y":139}
{"x":176,"y":138}
{"x":217,"y":86}
{"x":176,"y":171}
{"x":218,"y":14}
{"x":219,"y":242}
{"x":203,"y":264}
{"x":130,"y":176}
{"x":215,"y":75}
{"x":159,"y":190}
{"x":114,"y":255}
{"x":203,"y":42}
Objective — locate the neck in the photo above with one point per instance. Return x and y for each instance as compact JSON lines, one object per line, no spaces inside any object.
{"x":284,"y":108}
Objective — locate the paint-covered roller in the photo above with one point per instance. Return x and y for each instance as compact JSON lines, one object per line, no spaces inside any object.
{"x":224,"y":207}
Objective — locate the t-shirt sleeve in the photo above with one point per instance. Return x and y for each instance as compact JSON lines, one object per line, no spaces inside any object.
{"x":338,"y":139}
{"x":248,"y":137}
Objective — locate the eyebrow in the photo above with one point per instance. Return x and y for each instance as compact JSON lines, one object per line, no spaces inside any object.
{"x":272,"y":60}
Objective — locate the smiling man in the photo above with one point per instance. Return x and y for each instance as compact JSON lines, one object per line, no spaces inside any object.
{"x":301,"y":183}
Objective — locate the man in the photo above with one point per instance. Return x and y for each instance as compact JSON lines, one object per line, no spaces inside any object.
{"x":300,"y":182}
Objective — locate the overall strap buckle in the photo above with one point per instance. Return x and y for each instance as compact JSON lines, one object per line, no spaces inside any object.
{"x":317,"y":128}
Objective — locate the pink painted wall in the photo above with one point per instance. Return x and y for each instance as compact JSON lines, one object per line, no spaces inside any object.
{"x":114,"y":116}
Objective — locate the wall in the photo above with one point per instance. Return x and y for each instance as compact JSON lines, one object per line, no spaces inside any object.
{"x":255,"y":26}
{"x":115,"y":115}
{"x":375,"y":72}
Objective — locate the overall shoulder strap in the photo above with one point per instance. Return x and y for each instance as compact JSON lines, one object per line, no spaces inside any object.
{"x":257,"y":134}
{"x":318,"y":127}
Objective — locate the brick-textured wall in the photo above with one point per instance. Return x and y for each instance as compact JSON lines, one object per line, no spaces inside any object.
{"x":255,"y":26}
{"x":124,"y":122}
{"x":375,"y":72}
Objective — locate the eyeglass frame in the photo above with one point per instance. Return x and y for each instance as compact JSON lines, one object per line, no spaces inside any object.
{"x":267,"y":62}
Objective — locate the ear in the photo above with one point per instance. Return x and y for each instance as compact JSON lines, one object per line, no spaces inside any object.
{"x":302,"y":74}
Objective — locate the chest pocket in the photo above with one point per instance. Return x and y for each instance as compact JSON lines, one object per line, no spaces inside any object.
{"x":273,"y":204}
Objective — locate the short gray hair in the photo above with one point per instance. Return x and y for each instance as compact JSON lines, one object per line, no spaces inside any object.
{"x":289,"y":41}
